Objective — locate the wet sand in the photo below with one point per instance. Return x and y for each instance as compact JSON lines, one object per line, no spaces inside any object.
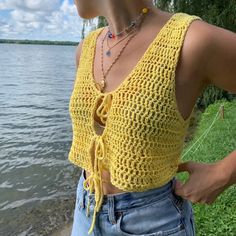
{"x":42,"y":220}
{"x":65,"y":231}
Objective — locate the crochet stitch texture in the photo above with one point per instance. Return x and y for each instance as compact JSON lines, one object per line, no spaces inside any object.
{"x":144,"y":131}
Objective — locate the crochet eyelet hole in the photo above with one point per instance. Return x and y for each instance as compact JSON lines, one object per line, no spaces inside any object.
{"x":101,"y":110}
{"x":97,"y":123}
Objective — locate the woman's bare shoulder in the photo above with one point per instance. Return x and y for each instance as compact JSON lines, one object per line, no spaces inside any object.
{"x":211,"y":51}
{"x":195,"y":46}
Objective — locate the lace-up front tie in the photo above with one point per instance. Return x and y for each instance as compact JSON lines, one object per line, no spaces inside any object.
{"x":104,"y":107}
{"x":94,"y":181}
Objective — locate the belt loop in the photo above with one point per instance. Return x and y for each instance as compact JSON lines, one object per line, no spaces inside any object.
{"x":173,"y":181}
{"x":111,"y":211}
{"x":88,"y":208}
{"x":83,"y":198}
{"x":82,"y":203}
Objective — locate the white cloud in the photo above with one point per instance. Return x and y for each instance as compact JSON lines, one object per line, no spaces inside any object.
{"x":41,"y":19}
{"x":67,"y":8}
{"x":27,"y":17}
{"x":30,"y":5}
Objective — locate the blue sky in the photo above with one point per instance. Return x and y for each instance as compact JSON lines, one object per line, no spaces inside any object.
{"x":40,"y":19}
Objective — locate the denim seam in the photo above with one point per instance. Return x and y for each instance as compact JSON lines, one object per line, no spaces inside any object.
{"x":176,"y":202}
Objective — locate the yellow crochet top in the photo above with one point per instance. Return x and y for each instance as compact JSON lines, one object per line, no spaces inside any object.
{"x":144,"y":131}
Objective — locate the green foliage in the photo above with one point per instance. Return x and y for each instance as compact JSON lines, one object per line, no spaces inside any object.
{"x":164,"y":5}
{"x":102,"y":21}
{"x":212,"y":94}
{"x":217,"y":219}
{"x":217,"y":12}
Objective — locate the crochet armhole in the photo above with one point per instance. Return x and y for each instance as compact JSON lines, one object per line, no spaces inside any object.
{"x":187,"y":22}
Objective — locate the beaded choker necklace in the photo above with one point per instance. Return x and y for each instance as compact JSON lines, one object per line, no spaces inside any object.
{"x":128,"y":28}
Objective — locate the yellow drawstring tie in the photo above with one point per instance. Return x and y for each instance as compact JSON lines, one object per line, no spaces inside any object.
{"x":104,"y":107}
{"x":94,"y":181}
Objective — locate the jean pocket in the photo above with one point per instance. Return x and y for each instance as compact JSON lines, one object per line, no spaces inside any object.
{"x":157,"y":219}
{"x":184,"y":207}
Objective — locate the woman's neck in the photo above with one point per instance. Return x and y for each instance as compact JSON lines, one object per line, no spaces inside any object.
{"x":119,"y":15}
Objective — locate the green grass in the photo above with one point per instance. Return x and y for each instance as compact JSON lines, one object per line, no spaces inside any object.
{"x":218,"y":218}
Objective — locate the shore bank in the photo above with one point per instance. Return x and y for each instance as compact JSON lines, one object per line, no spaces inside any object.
{"x":64,"y":231}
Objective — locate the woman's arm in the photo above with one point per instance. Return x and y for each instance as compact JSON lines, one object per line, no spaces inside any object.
{"x":221,"y":64}
{"x":228,"y":166}
{"x":215,"y":54}
{"x":207,"y":181}
{"x":217,"y":49}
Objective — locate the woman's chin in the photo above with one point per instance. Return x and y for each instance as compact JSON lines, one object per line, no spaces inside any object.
{"x":85,"y":15}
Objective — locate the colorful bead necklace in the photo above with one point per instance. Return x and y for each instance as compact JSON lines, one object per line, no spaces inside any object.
{"x":128,"y":28}
{"x":102,"y":84}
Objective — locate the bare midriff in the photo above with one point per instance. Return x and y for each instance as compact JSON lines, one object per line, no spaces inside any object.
{"x":108,"y":187}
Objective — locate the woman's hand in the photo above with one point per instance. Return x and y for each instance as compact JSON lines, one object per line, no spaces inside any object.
{"x":205,"y":182}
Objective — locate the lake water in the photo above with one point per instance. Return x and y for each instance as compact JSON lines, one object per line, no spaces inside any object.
{"x":36,"y":82}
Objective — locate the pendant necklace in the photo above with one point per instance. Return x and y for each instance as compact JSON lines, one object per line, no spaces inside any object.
{"x":129,"y":29}
{"x":102,"y":84}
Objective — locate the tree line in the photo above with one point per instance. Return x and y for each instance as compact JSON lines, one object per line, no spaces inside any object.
{"x":43,"y":42}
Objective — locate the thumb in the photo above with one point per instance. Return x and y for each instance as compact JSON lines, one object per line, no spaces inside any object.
{"x":178,"y":187}
{"x":186,"y":166}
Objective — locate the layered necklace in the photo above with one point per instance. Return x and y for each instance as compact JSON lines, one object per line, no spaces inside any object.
{"x":130,"y":30}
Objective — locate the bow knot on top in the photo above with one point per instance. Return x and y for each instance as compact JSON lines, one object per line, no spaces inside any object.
{"x":104,"y":107}
{"x":99,"y":147}
{"x":94,"y":180}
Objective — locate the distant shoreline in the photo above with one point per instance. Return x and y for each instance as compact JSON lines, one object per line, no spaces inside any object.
{"x":41,"y":42}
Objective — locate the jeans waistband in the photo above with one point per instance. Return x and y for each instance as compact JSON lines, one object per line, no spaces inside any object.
{"x":126,"y":199}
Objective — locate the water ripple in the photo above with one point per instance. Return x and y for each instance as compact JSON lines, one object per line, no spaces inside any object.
{"x":35,"y":126}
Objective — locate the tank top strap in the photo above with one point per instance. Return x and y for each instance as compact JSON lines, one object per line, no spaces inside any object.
{"x":170,"y":45}
{"x":176,"y":32}
{"x":86,"y":56}
{"x":170,"y":41}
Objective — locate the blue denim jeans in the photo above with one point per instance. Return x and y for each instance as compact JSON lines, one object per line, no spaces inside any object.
{"x":157,"y":211}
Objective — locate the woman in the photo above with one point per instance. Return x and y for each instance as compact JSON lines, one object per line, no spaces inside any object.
{"x":136,"y":84}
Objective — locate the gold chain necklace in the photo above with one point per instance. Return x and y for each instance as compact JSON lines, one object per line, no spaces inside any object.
{"x":102,"y":84}
{"x":132,"y":24}
{"x":108,"y":52}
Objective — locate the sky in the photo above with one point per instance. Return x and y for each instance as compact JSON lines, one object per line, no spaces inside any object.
{"x":40,"y":20}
